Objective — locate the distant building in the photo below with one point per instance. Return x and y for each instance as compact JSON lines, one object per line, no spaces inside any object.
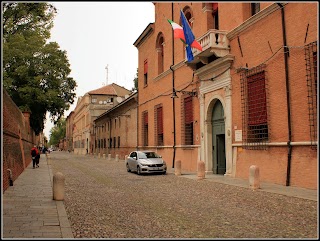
{"x":69,"y":131}
{"x":116,"y":129}
{"x":88,"y":108}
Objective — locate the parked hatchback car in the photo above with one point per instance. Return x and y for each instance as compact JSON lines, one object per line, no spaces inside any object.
{"x":145,"y":162}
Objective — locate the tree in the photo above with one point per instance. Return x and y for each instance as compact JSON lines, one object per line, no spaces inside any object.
{"x":35,"y":73}
{"x":135,"y":81}
{"x":58,"y":132}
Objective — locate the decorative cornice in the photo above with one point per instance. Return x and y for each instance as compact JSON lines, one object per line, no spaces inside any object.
{"x":252,"y":20}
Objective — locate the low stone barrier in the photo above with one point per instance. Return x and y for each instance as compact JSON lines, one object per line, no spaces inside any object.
{"x":201,"y":170}
{"x":58,"y":186}
{"x":177,"y":168}
{"x":254,"y":177}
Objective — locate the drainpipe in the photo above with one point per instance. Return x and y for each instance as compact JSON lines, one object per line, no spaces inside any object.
{"x":173,"y":97}
{"x":286,"y":55}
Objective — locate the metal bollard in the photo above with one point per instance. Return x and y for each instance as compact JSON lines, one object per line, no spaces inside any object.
{"x":254,"y":177}
{"x":177,"y":169}
{"x":117,"y":157}
{"x":58,"y":186}
{"x":109,"y":157}
{"x":201,"y":170}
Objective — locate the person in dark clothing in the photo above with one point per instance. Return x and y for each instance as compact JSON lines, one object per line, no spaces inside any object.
{"x":35,"y":155}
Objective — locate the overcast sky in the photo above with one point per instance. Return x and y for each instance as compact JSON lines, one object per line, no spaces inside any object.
{"x":96,"y":35}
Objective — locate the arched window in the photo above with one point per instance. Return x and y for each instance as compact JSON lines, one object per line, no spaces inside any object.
{"x":160,"y":50}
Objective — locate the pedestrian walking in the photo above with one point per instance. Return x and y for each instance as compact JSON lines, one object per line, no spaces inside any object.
{"x":35,"y":155}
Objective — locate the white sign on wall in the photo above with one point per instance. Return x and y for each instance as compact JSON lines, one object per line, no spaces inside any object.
{"x":238,"y":135}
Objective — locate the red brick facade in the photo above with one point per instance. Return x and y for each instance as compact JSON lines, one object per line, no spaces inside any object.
{"x":245,"y":41}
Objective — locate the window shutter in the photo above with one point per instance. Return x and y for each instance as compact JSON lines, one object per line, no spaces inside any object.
{"x":257,"y":99}
{"x":145,"y":66}
{"x":188,"y":110}
{"x":215,"y":7}
{"x":159,"y":120}
{"x":145,"y":118}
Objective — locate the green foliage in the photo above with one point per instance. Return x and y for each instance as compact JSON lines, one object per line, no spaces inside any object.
{"x":57,"y":132}
{"x":135,"y":81}
{"x":35,"y":73}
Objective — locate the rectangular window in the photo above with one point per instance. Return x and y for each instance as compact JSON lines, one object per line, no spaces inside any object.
{"x":145,"y":128}
{"x":118,"y":141}
{"x":145,"y":73}
{"x":111,"y":142}
{"x":254,"y":108}
{"x":188,"y":121}
{"x":255,"y":8}
{"x":159,"y":125}
{"x":114,"y":142}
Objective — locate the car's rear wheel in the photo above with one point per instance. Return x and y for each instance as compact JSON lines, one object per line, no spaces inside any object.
{"x":164,"y":173}
{"x":128,"y":169}
{"x":138,"y":170}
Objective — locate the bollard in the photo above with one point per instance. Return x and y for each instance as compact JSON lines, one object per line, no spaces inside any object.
{"x":48,"y":159}
{"x":109,"y":157}
{"x":201,"y":170}
{"x":125,"y":158}
{"x":58,"y":186}
{"x":117,"y":157}
{"x":177,"y":169}
{"x":254,"y":177}
{"x":104,"y":156}
{"x":94,"y":155}
{"x":99,"y":155}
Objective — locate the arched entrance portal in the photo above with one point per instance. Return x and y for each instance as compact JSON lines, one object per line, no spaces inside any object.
{"x":218,"y":139}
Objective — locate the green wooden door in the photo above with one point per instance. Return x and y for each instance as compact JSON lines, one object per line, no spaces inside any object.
{"x":218,"y":139}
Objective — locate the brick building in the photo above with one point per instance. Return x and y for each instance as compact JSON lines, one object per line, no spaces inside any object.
{"x":88,"y":108}
{"x":248,"y":98}
{"x":116,"y":129}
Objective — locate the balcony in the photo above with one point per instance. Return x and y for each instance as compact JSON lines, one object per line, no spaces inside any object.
{"x":214,"y":45}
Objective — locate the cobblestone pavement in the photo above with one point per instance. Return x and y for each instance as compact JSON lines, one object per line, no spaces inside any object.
{"x":103,"y":200}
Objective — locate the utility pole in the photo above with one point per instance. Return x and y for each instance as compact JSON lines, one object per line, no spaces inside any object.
{"x":107,"y":75}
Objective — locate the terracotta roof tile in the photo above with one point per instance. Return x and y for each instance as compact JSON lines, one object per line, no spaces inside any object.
{"x":105,"y":90}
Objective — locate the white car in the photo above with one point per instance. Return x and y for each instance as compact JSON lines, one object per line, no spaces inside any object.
{"x":145,"y":162}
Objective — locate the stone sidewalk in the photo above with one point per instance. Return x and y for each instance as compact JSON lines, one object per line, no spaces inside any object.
{"x":29,"y":210}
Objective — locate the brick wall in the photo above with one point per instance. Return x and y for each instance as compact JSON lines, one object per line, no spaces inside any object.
{"x":18,"y":139}
{"x":258,"y":43}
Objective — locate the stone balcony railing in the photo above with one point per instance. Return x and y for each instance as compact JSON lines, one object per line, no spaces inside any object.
{"x":213,"y":42}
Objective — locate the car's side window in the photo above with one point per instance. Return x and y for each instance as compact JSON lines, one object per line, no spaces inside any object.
{"x":133,"y":154}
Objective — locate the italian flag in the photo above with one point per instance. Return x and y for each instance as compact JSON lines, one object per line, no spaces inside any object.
{"x":179,"y":33}
{"x":177,"y":30}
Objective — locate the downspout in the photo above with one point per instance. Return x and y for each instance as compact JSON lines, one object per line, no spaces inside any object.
{"x":286,"y":55}
{"x":173,"y":97}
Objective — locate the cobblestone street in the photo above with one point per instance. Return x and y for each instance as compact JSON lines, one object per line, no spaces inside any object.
{"x":103,"y":200}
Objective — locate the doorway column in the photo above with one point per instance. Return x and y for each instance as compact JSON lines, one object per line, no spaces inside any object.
{"x":228,"y":135}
